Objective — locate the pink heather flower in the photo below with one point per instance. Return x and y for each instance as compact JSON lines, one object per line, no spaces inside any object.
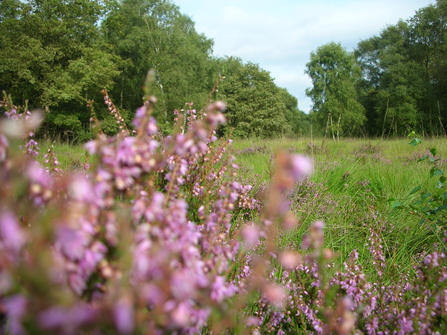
{"x":251,"y":235}
{"x":77,"y":283}
{"x":71,"y":242}
{"x":275,"y":294}
{"x":218,"y":105}
{"x":38,"y":175}
{"x":82,"y":190}
{"x":91,"y":147}
{"x":181,"y":315}
{"x":3,"y":147}
{"x":10,"y":232}
{"x":152,"y":128}
{"x":290,"y":259}
{"x":152,"y":293}
{"x":183,"y":285}
{"x":155,"y":209}
{"x":71,"y":319}
{"x":123,"y":314}
{"x":221,"y":290}
{"x":216,"y":118}
{"x":125,"y":153}
{"x":301,"y":166}
{"x":15,"y":309}
{"x":253,"y":321}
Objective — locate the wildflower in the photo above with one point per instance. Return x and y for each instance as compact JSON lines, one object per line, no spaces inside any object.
{"x":251,"y":235}
{"x":10,"y":232}
{"x":124,"y":316}
{"x":275,"y":294}
{"x":301,"y":166}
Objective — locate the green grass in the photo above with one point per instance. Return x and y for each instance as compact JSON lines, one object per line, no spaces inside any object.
{"x":352,"y":190}
{"x":70,"y":157}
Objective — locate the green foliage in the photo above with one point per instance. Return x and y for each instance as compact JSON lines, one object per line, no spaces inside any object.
{"x":431,"y":203}
{"x":153,"y":34}
{"x":333,"y":72}
{"x":52,"y":57}
{"x":404,"y":73}
{"x":255,"y":105}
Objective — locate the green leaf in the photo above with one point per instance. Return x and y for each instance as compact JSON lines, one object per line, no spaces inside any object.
{"x":396,"y":204}
{"x":433,"y":151}
{"x":425,"y":196}
{"x":411,"y":134}
{"x":415,"y":142}
{"x":423,"y":158}
{"x":415,"y":190}
{"x":439,"y":185}
{"x":435,"y":172}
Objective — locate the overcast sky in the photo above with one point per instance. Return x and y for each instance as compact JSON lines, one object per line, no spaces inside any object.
{"x":280,"y":35}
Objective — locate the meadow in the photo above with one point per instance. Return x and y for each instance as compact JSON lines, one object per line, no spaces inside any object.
{"x":352,"y":189}
{"x":191,"y":234}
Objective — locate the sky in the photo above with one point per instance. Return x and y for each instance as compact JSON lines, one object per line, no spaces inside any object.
{"x":280,"y":35}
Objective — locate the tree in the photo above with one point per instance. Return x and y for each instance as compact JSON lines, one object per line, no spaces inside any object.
{"x":254,"y":103}
{"x":153,"y":34}
{"x":51,"y":56}
{"x":393,"y":81}
{"x":334,"y":72}
{"x":298,"y":121}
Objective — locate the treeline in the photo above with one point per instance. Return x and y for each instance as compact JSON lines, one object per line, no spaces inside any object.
{"x":392,"y":84}
{"x":58,"y":55}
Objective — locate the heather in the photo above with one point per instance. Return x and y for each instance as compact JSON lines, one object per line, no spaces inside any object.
{"x":153,"y":234}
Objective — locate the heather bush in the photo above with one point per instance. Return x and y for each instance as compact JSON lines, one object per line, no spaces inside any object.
{"x":160,"y":235}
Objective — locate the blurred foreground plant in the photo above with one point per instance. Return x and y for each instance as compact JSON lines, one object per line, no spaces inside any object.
{"x":149,"y":240}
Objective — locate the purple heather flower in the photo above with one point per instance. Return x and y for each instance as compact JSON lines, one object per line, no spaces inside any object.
{"x":216,"y":118}
{"x":82,"y":189}
{"x":15,"y":309}
{"x":123,"y":314}
{"x":218,"y":106}
{"x":183,"y":285}
{"x":290,"y":259}
{"x":181,"y":315}
{"x":301,"y":166}
{"x":10,"y":232}
{"x":155,"y":209}
{"x":406,"y":325}
{"x":3,"y":147}
{"x":251,"y":235}
{"x":69,"y":319}
{"x":77,"y":283}
{"x":140,"y":114}
{"x":38,"y":175}
{"x":72,"y":242}
{"x":253,"y":321}
{"x":275,"y":294}
{"x":221,"y":290}
{"x":125,"y":153}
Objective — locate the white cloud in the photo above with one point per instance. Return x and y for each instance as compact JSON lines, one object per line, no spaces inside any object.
{"x":280,"y":35}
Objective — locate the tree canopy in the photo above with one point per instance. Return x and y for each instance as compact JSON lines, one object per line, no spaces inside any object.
{"x":60,"y":54}
{"x":393,"y":83}
{"x":334,"y":72}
